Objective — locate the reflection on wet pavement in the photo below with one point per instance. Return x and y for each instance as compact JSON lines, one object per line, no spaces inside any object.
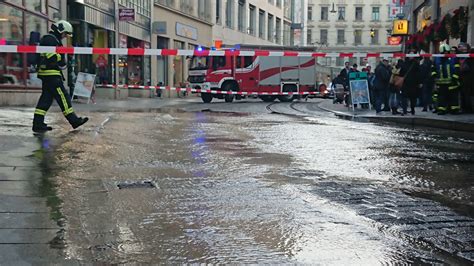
{"x":241,"y":188}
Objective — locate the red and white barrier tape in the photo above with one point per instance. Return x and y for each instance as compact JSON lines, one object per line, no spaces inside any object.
{"x":175,"y":52}
{"x":169,"y":88}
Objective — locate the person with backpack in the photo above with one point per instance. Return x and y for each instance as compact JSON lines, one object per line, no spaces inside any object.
{"x":50,"y":67}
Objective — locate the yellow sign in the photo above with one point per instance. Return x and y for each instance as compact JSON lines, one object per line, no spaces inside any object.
{"x":400,"y":27}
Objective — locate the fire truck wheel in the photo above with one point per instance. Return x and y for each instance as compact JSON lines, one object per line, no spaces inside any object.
{"x":228,"y":87}
{"x":268,"y":98}
{"x":206,"y":97}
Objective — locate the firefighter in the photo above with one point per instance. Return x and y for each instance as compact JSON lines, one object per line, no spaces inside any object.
{"x":49,"y":71}
{"x":446,"y":74}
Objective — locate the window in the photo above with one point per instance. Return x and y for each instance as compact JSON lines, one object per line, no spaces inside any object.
{"x":324,"y":13}
{"x":228,"y":13}
{"x":340,"y":37}
{"x":375,"y":39}
{"x":286,"y":33}
{"x":218,"y":12}
{"x":278,"y":3}
{"x":310,"y":13}
{"x":358,"y":37}
{"x":323,"y":36}
{"x":247,"y":61}
{"x":261,"y":23}
{"x":278,"y":30}
{"x":36,"y":5}
{"x":270,"y":30}
{"x":203,"y":10}
{"x":341,"y":13}
{"x":375,"y":13}
{"x":309,"y":37}
{"x":358,"y":14}
{"x":252,"y":20}
{"x":287,"y":9}
{"x":218,"y":61}
{"x":241,"y":16}
{"x":11,"y":33}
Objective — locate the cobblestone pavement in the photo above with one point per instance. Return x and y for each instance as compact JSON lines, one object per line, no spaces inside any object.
{"x":421,"y":221}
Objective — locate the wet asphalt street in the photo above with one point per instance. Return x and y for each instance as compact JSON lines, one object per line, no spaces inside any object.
{"x":247,"y":182}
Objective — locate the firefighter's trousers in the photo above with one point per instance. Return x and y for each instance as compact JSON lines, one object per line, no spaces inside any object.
{"x":53,"y":88}
{"x":448,"y":98}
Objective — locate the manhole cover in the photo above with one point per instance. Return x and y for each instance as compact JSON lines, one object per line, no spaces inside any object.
{"x":139,"y":184}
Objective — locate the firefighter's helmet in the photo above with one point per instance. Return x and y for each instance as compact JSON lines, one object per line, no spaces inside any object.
{"x":444,"y":48}
{"x":62,"y":26}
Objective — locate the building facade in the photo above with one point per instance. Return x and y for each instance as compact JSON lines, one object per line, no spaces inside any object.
{"x":348,"y":26}
{"x":23,"y":22}
{"x":425,"y":13}
{"x":255,"y":22}
{"x":97,"y":24}
{"x":178,"y":24}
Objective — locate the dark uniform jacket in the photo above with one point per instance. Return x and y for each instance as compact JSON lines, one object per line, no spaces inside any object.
{"x":50,"y":64}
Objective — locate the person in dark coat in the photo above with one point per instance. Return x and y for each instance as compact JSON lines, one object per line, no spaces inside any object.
{"x":427,"y":84}
{"x":381,"y":84}
{"x":467,"y":79}
{"x":409,"y":92}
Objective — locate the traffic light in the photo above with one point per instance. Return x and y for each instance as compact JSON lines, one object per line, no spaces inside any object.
{"x":372,"y":33}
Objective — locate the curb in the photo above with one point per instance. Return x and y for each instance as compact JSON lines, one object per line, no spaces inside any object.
{"x":411,"y":121}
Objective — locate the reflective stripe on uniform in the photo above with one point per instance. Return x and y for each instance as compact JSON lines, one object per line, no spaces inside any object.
{"x":455,"y":76}
{"x":441,"y":108}
{"x":67,"y":109}
{"x":455,"y":107}
{"x":40,"y":112}
{"x":49,"y":72}
{"x":457,"y":65}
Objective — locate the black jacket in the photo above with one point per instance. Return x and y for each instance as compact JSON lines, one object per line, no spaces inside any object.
{"x":50,"y":64}
{"x":382,"y":77}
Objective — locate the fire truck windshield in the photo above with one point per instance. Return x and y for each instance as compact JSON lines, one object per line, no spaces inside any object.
{"x":199,"y":62}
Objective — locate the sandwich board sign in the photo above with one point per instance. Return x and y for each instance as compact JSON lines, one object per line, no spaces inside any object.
{"x":84,"y":85}
{"x":359,"y":87}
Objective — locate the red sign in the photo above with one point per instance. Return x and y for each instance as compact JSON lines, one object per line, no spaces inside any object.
{"x":394,"y":40}
{"x":126,"y":14}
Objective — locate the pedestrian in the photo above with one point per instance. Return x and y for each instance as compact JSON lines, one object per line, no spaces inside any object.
{"x":467,"y":79}
{"x":49,"y":71}
{"x":394,"y":91}
{"x":409,"y":91}
{"x":446,"y":75}
{"x":426,"y":84}
{"x":381,"y":84}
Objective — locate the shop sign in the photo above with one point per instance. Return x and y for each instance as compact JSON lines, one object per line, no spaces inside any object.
{"x":159,"y":27}
{"x":394,"y":40}
{"x":186,"y":31}
{"x":400,"y":27}
{"x":126,"y":14}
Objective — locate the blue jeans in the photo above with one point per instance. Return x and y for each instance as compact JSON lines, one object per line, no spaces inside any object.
{"x":394,"y":99}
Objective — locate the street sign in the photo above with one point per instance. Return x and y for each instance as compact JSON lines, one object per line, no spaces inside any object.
{"x":400,"y":27}
{"x":126,"y":14}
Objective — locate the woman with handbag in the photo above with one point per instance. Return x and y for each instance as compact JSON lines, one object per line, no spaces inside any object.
{"x":396,"y":82}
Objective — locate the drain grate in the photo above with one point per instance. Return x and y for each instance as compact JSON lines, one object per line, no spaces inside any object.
{"x":138,"y":184}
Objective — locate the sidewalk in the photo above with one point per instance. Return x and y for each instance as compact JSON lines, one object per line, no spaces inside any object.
{"x":461,"y":122}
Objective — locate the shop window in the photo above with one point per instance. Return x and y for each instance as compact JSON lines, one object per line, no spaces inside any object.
{"x":11,"y":33}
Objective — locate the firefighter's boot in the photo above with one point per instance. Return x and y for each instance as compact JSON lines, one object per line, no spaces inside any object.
{"x":38,"y":124}
{"x":76,"y":121}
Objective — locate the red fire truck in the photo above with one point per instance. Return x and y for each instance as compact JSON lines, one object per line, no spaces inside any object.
{"x":270,"y":74}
